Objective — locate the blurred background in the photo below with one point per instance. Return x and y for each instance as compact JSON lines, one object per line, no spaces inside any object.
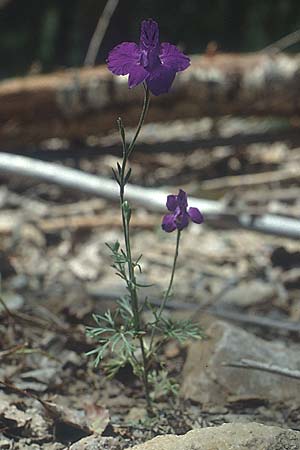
{"x":56,"y":33}
{"x":228,"y":133}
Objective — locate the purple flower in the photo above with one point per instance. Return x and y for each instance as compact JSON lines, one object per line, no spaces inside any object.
{"x":150,"y":61}
{"x":179,"y":218}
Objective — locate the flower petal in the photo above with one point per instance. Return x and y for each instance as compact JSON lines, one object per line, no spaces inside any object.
{"x":173,"y":58}
{"x":168,"y":223}
{"x":183,"y":221}
{"x":182,"y":200}
{"x":136,"y":76}
{"x":171,"y":202}
{"x":149,"y":34}
{"x":160,"y":80}
{"x":195,"y":215}
{"x":123,"y":58}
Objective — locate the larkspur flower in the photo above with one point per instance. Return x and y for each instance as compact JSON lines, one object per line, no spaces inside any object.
{"x":180,"y":215}
{"x":150,"y":62}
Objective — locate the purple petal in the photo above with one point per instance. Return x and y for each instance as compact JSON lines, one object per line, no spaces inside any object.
{"x":183,"y":221}
{"x":195,"y":215}
{"x":124,"y":58}
{"x":149,"y":34}
{"x":182,"y":199}
{"x":168,"y":223}
{"x":160,"y":80}
{"x":150,"y":59}
{"x":136,"y":76}
{"x":173,"y":58}
{"x":171,"y":202}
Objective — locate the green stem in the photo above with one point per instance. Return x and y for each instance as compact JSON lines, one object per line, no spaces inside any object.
{"x":145,"y":377}
{"x":141,"y":121}
{"x":168,"y":291}
{"x":126,"y":153}
{"x":125,"y":220}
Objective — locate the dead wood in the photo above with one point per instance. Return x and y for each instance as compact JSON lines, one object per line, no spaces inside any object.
{"x":255,"y":320}
{"x":8,"y":223}
{"x":265,"y":367}
{"x":77,"y":103}
{"x":215,"y":213}
{"x":253,"y":179}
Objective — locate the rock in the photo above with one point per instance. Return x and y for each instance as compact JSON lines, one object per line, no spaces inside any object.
{"x":251,"y":436}
{"x":136,"y":414}
{"x":12,"y":301}
{"x":291,"y":278}
{"x":249,"y":293}
{"x":208,"y":381}
{"x":96,"y":442}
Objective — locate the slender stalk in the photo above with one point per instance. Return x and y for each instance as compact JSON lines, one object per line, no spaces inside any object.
{"x":145,"y":377}
{"x":168,"y":291}
{"x":126,"y":230}
{"x":141,"y":121}
{"x":126,"y":153}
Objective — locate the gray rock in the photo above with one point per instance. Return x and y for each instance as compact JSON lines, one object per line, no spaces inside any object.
{"x":251,"y":436}
{"x":207,"y":380}
{"x":96,"y":442}
{"x":249,"y":293}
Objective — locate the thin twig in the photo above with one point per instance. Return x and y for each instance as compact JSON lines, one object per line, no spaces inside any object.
{"x":12,"y":350}
{"x":10,"y":314}
{"x":48,"y":406}
{"x":6,"y":309}
{"x":266,"y":367}
{"x":100,"y":31}
{"x":283,"y":43}
{"x":251,"y":319}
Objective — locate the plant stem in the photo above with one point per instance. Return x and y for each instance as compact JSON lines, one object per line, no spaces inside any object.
{"x":145,"y":377}
{"x":168,"y":291}
{"x":141,"y":121}
{"x":126,"y":153}
{"x":126,"y":230}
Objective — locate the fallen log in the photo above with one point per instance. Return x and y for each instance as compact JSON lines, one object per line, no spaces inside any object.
{"x":77,"y":103}
{"x":215,"y":213}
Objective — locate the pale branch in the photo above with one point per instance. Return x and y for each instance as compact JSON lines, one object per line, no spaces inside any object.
{"x":77,"y":103}
{"x":283,"y":43}
{"x":255,"y":320}
{"x":265,"y":367}
{"x":253,"y":179}
{"x":215,"y":212}
{"x":100,"y":31}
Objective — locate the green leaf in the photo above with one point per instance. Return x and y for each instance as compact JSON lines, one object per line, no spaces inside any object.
{"x":116,"y":177}
{"x":127,"y":176}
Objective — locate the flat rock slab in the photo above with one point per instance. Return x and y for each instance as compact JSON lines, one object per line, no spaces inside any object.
{"x":207,"y":380}
{"x":249,"y":293}
{"x":251,"y":436}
